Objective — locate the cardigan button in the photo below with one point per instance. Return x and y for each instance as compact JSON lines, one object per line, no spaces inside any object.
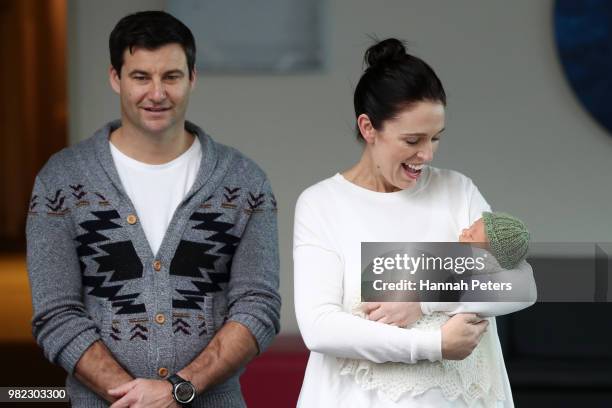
{"x":162,"y":372}
{"x":157,"y":265}
{"x":160,"y":318}
{"x":131,"y":219}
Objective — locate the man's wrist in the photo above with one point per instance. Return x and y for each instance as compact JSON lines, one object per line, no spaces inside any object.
{"x":182,"y":391}
{"x":189,"y":376}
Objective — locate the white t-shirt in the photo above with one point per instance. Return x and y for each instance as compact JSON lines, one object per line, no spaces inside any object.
{"x":156,"y":190}
{"x":332,"y":218}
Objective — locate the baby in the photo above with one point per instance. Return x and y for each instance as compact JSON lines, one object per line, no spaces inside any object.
{"x":473,"y":379}
{"x":500,"y":234}
{"x":505,"y":236}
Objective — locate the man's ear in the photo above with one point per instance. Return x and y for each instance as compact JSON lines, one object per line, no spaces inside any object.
{"x":194,"y":78}
{"x":113,"y":78}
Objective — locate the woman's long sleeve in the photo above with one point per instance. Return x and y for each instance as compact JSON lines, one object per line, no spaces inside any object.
{"x":522,"y":296}
{"x":324,"y":325}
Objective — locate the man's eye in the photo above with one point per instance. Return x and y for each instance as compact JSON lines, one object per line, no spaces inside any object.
{"x":435,"y":139}
{"x":412,"y":142}
{"x":172,"y":77}
{"x":140,"y":78}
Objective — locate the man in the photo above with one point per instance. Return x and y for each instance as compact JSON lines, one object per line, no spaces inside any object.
{"x":152,"y":249}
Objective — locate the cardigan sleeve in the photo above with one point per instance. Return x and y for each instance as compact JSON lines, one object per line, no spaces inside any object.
{"x":324,"y":325}
{"x":60,"y":325}
{"x":253,"y":297}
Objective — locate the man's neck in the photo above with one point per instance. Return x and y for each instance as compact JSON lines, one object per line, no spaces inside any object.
{"x":149,"y":148}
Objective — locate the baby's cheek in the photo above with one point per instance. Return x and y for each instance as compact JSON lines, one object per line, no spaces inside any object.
{"x":482,"y":237}
{"x":465,"y":237}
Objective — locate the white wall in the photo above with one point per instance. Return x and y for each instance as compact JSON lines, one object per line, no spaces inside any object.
{"x":513,"y":124}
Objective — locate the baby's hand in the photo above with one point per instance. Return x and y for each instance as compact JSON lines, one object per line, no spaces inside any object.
{"x":400,"y":314}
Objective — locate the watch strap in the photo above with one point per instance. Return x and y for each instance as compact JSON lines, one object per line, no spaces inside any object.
{"x":175,"y":379}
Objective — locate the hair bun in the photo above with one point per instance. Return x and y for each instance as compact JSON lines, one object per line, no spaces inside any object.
{"x":385,"y":51}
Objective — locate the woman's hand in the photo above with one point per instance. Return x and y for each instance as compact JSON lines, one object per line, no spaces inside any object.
{"x":401,"y":314}
{"x":461,"y":334}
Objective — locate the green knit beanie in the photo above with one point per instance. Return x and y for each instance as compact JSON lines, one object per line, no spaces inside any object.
{"x":508,"y":238}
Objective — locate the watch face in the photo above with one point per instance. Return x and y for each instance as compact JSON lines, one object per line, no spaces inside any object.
{"x":184,"y":392}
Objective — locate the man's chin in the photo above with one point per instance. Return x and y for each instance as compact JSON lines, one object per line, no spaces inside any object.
{"x":156,"y":127}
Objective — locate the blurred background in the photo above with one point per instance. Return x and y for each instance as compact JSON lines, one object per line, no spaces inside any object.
{"x":514,"y":125}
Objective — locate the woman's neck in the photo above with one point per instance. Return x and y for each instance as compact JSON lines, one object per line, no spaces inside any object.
{"x":366,"y":174}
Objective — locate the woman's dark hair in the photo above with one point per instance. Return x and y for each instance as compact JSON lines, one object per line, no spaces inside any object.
{"x":150,"y":30}
{"x":393,"y":81}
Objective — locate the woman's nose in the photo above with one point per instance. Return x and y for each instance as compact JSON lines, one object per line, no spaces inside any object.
{"x":426,"y":153}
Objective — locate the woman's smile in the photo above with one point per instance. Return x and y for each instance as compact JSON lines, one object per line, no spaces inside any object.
{"x":412,"y":171}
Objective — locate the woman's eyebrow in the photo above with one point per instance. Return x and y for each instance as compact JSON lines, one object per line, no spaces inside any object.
{"x":421,"y":134}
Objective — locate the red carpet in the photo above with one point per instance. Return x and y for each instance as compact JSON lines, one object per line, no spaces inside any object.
{"x":274,"y":379}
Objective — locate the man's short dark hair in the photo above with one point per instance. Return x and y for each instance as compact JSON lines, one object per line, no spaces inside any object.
{"x":150,"y":30}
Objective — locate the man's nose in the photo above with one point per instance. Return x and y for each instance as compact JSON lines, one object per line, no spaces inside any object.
{"x":158,"y":91}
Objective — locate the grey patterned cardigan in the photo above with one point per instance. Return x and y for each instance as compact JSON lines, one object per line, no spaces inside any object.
{"x":93,"y":275}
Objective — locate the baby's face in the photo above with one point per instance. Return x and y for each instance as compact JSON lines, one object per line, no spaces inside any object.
{"x":475,"y":234}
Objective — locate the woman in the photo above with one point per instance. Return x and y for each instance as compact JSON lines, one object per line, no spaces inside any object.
{"x":391,"y":194}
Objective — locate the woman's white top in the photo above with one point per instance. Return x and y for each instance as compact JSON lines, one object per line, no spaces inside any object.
{"x":332,"y":218}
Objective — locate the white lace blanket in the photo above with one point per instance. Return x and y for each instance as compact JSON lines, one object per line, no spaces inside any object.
{"x":475,"y":379}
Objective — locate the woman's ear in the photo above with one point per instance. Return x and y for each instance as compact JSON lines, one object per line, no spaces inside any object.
{"x":366,"y":128}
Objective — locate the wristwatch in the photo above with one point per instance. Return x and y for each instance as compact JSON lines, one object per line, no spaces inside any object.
{"x":183,"y":391}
